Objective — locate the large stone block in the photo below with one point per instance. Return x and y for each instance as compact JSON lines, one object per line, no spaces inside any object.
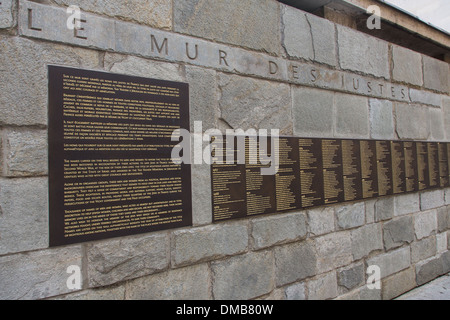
{"x":6,"y":14}
{"x":295,"y":292}
{"x":384,"y":208}
{"x":207,"y":243}
{"x":441,"y":242}
{"x":252,"y":103}
{"x":381,"y":119}
{"x":311,"y":112}
{"x":352,"y":116}
{"x":425,"y":223}
{"x":38,"y":274}
{"x":324,"y":39}
{"x":23,"y":214}
{"x":155,"y":13}
{"x":406,"y":203}
{"x":362,"y":53}
{"x":436,"y":124}
{"x":436,"y":74}
{"x":352,"y":276}
{"x":406,"y":128}
{"x":250,"y":23}
{"x":423,"y":249}
{"x":446,"y":112}
{"x":323,"y":287}
{"x":334,"y":250}
{"x":297,"y":37}
{"x":294,"y":262}
{"x":443,"y":218}
{"x":321,"y":220}
{"x":425,"y":97}
{"x":392,"y":262}
{"x":25,"y":153}
{"x":398,"y":284}
{"x":266,"y":232}
{"x":189,"y":283}
{"x":350,"y":215}
{"x":98,"y":294}
{"x":366,"y":239}
{"x":431,"y":199}
{"x":397,"y":232}
{"x":24,"y":83}
{"x":243,"y":277}
{"x":407,"y":66}
{"x":428,"y":270}
{"x":126,"y":258}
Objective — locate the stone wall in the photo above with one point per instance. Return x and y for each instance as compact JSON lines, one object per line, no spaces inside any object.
{"x":249,"y":64}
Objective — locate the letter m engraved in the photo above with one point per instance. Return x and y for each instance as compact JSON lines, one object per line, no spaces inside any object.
{"x":164,"y":45}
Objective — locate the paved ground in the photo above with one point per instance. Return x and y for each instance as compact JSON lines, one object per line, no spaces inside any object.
{"x":438,"y":289}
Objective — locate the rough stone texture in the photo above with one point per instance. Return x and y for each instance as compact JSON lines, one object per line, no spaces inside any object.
{"x":25,"y":152}
{"x":334,"y":250}
{"x":446,"y":112}
{"x":236,"y":22}
{"x":250,"y":103}
{"x":398,"y":284}
{"x":37,"y":275}
{"x":370,"y":210}
{"x":243,"y":277}
{"x":6,"y":14}
{"x":365,"y":240}
{"x":362,"y":53}
{"x":155,"y":13}
{"x":397,"y":232}
{"x":419,"y":129}
{"x":407,"y":203}
{"x":428,"y":270}
{"x":206,"y":243}
{"x":278,"y":229}
{"x":425,"y":97}
{"x":351,"y":277}
{"x":109,"y":294}
{"x":311,"y":112}
{"x":431,"y":199}
{"x":423,"y":249}
{"x":126,"y":258}
{"x":435,"y":73}
{"x":324,"y":39}
{"x":381,"y":119}
{"x":294,"y":262}
{"x":437,"y":290}
{"x":447,"y":196}
{"x":384,"y":208}
{"x":24,"y":82}
{"x":323,"y":287}
{"x":362,"y":293}
{"x":352,"y":116}
{"x":392,"y":261}
{"x":321,"y":220}
{"x":295,"y":292}
{"x":445,"y":261}
{"x":407,"y":66}
{"x":297,"y":36}
{"x":425,"y":223}
{"x":443,"y":218}
{"x":23,"y":214}
{"x":437,"y":124}
{"x":351,"y":215}
{"x":189,"y":283}
{"x":441,"y":242}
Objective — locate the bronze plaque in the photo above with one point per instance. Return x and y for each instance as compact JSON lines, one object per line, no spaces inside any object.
{"x":110,"y":167}
{"x":384,"y":168}
{"x":443,"y":165}
{"x":332,"y":170}
{"x":411,"y":176}
{"x":351,"y":170}
{"x":311,"y":175}
{"x":422,"y":166}
{"x":369,"y":173}
{"x":398,"y":167}
{"x":433,"y":165}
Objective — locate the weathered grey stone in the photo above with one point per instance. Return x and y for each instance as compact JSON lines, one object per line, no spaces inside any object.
{"x":155,"y":13}
{"x":189,"y":283}
{"x":249,"y":23}
{"x":126,"y":258}
{"x":437,"y":124}
{"x":323,"y":287}
{"x":425,"y":223}
{"x":294,"y":262}
{"x":441,"y":242}
{"x":425,"y":97}
{"x":297,"y":36}
{"x":407,"y":66}
{"x":448,"y":239}
{"x":423,"y":249}
{"x":431,"y":199}
{"x":6,"y":14}
{"x":398,"y":284}
{"x":362,"y":53}
{"x":296,"y":292}
{"x":381,"y":119}
{"x":384,"y":208}
{"x":334,"y":250}
{"x":362,"y":293}
{"x":351,"y":277}
{"x":445,"y":261}
{"x":243,"y":277}
{"x":350,"y":215}
{"x":435,"y":73}
{"x":324,"y":39}
{"x":446,"y":112}
{"x":370,"y":210}
{"x":365,"y":240}
{"x":207,"y":243}
{"x":443,"y":218}
{"x":37,"y":275}
{"x":447,"y":196}
{"x":428,"y":270}
{"x":321,"y":220}
{"x":24,"y":82}
{"x":266,"y":232}
{"x":418,"y":129}
{"x":109,"y":293}
{"x":311,"y":112}
{"x":252,"y":103}
{"x":25,"y":152}
{"x":391,"y":262}
{"x":23,"y":214}
{"x":406,"y":203}
{"x":397,"y":232}
{"x":352,"y":116}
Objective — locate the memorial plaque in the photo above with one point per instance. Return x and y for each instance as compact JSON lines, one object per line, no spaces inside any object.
{"x":333,"y":184}
{"x":369,"y":175}
{"x":351,"y":170}
{"x":110,"y":167}
{"x":444,"y":180}
{"x":311,"y":175}
{"x":411,"y":177}
{"x":384,"y":168}
{"x":398,"y":167}
{"x":433,"y":165}
{"x":422,"y":165}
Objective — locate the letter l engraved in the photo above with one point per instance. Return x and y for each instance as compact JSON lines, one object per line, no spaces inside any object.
{"x":30,"y":21}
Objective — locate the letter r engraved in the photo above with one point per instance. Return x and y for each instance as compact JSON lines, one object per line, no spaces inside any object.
{"x":30,"y":21}
{"x":222,"y":57}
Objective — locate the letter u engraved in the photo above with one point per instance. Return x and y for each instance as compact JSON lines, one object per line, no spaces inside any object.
{"x":187,"y":52}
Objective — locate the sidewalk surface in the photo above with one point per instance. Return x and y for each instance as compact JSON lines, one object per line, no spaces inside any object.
{"x":438,"y":289}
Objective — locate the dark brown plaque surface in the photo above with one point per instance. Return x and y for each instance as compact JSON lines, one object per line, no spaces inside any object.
{"x":351,"y":170}
{"x":398,"y":167}
{"x":311,"y":175}
{"x":110,"y":167}
{"x":411,"y":177}
{"x":433,"y":165}
{"x":369,"y":175}
{"x":443,"y":165}
{"x":422,"y":165}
